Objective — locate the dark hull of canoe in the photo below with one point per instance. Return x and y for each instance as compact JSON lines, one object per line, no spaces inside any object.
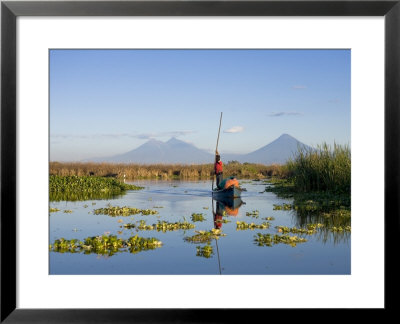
{"x":229,"y":193}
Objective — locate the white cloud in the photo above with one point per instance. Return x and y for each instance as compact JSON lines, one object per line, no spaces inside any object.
{"x":235,"y":129}
{"x":285,"y":113}
{"x":119,"y":135}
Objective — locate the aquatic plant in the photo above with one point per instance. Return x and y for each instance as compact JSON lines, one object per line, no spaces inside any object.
{"x":270,"y":218}
{"x":167,"y":226}
{"x":67,"y":211}
{"x":144,"y":227}
{"x":53,"y":210}
{"x":310,"y":229}
{"x":282,"y":207}
{"x":62,"y":245}
{"x":129,"y":225}
{"x":85,"y":187}
{"x":204,"y":236}
{"x":269,"y":239}
{"x":198,"y":217}
{"x":140,"y":226}
{"x":105,"y":244}
{"x":223,"y":221}
{"x":254,"y":213}
{"x":205,"y":251}
{"x":314,"y":204}
{"x":342,"y":213}
{"x":251,"y":226}
{"x":340,"y":229}
{"x":123,"y":211}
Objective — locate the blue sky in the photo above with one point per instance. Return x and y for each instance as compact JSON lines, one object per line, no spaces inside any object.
{"x":106,"y":102}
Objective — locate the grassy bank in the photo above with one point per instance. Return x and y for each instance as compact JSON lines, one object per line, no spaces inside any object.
{"x":85,"y":187}
{"x":319,"y":181}
{"x":165,"y":171}
{"x":324,"y":169}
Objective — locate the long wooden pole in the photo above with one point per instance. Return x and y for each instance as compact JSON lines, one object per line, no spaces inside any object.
{"x":216,"y":148}
{"x":219,"y":129}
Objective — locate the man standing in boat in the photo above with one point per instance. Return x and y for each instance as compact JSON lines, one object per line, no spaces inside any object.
{"x":218,"y":168}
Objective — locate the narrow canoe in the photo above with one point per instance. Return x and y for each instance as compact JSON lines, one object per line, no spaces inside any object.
{"x":228,"y":193}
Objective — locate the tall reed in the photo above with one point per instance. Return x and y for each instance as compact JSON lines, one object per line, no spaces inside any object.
{"x":164,"y":171}
{"x":322,"y":169}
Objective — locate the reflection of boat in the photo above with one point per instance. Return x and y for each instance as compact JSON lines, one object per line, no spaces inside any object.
{"x":226,"y":207}
{"x":232,"y":203}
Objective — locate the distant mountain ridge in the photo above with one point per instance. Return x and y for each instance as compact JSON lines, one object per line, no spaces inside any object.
{"x":176,"y":151}
{"x":276,"y":152}
{"x":154,"y":151}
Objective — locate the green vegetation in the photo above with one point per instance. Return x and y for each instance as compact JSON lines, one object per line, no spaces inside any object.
{"x":254,"y":213}
{"x":283,"y":207}
{"x":105,"y":244}
{"x":129,"y":225}
{"x":223,"y":221}
{"x":68,"y":211}
{"x":205,"y":236}
{"x":205,"y":251}
{"x":313,"y":202}
{"x":269,"y":239}
{"x":144,"y":227}
{"x":85,"y":187}
{"x":164,"y":171}
{"x":198,"y":217}
{"x":323,"y":169}
{"x":318,"y":180}
{"x":53,"y":210}
{"x":310,"y":229}
{"x":123,"y":211}
{"x":161,"y":226}
{"x":167,"y":226}
{"x":251,"y":226}
{"x":342,"y":213}
{"x":340,"y":229}
{"x":270,"y":218}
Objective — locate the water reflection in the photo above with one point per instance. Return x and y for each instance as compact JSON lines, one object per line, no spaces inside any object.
{"x":225,"y":207}
{"x":81,"y":196}
{"x":330,"y":218}
{"x":214,"y":249}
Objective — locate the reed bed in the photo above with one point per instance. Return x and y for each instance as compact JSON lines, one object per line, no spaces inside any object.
{"x":165,"y":171}
{"x":323,"y":169}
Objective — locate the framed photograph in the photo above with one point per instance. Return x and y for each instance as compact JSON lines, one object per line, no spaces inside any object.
{"x":160,"y":158}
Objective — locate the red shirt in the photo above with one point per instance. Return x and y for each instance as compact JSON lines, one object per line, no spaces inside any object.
{"x":218,"y":167}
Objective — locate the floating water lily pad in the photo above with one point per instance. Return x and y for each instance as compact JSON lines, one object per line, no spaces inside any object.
{"x":123,"y":211}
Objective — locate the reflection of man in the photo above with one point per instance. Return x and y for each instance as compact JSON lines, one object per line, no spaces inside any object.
{"x":218,"y":215}
{"x":218,"y":168}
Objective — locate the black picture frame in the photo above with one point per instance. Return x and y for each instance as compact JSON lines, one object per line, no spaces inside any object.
{"x":10,"y":10}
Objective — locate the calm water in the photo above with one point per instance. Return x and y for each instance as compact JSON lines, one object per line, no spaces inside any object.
{"x":235,"y":253}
